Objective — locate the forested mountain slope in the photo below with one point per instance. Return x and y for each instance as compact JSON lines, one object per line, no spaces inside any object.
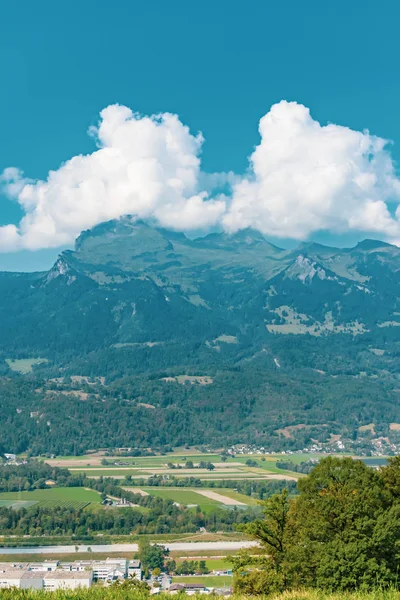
{"x":282,"y":338}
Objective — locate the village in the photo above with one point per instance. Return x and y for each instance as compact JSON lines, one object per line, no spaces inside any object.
{"x":52,"y":575}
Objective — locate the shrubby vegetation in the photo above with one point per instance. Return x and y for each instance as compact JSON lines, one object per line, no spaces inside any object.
{"x":304,"y":467}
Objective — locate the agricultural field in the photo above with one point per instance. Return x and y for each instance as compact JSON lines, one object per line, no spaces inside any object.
{"x":175,"y":465}
{"x":206,"y":499}
{"x":66,"y":497}
{"x":229,"y":493}
{"x":117,"y":473}
{"x":24,"y":365}
{"x":184,"y":497}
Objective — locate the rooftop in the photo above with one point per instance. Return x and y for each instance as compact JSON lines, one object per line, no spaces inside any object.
{"x":15,"y":573}
{"x":186,"y":586}
{"x":67,"y":575}
{"x":135,"y":564}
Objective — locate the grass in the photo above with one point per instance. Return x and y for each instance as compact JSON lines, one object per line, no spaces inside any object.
{"x":213,"y":564}
{"x":269,"y":464}
{"x":24,"y":365}
{"x":64,"y":496}
{"x":178,"y":555}
{"x":4,"y":503}
{"x":182,"y":496}
{"x":235,"y":495}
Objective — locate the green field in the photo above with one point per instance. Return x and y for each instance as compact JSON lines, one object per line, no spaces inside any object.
{"x":182,"y":496}
{"x":185,"y":496}
{"x":265,"y":465}
{"x":208,"y":580}
{"x":269,"y":464}
{"x":24,"y":365}
{"x":233,"y":467}
{"x":213,"y":564}
{"x":235,"y":495}
{"x":64,"y":497}
{"x":161,"y":461}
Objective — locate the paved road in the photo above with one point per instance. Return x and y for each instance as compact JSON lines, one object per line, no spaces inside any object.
{"x":113,"y":548}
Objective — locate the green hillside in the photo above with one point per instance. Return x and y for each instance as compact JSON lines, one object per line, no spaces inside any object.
{"x":142,"y":336}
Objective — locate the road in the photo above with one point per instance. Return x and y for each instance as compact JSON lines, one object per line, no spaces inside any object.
{"x":113,"y":548}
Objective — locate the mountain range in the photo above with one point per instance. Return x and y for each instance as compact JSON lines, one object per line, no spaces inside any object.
{"x":225,"y":325}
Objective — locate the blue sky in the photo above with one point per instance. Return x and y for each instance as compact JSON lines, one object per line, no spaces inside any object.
{"x":219,"y":66}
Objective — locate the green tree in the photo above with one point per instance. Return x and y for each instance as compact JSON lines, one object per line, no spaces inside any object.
{"x":341,"y":533}
{"x":170,"y":566}
{"x":132,"y":584}
{"x":203,"y":567}
{"x":338,"y":539}
{"x":152,"y":555}
{"x":264,"y":573}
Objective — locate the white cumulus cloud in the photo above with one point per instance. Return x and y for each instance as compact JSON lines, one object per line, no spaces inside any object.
{"x":303,"y":177}
{"x":146,"y":166}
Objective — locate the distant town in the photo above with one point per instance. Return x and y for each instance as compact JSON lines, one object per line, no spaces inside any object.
{"x":52,"y":575}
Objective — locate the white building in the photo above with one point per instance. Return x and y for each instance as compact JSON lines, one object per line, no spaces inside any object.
{"x":110,"y":569}
{"x":135,"y":569}
{"x":54,"y":575}
{"x":77,"y":566}
{"x":47,"y":565}
{"x":47,"y":580}
{"x":64,"y":580}
{"x":21,"y":579}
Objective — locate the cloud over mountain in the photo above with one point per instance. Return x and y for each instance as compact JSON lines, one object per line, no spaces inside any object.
{"x":303,"y":177}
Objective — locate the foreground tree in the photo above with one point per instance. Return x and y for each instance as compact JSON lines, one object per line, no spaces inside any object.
{"x":264,"y":572}
{"x":341,"y":533}
{"x":152,"y":556}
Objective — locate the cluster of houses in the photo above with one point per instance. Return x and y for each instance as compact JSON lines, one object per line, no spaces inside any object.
{"x":54,"y":575}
